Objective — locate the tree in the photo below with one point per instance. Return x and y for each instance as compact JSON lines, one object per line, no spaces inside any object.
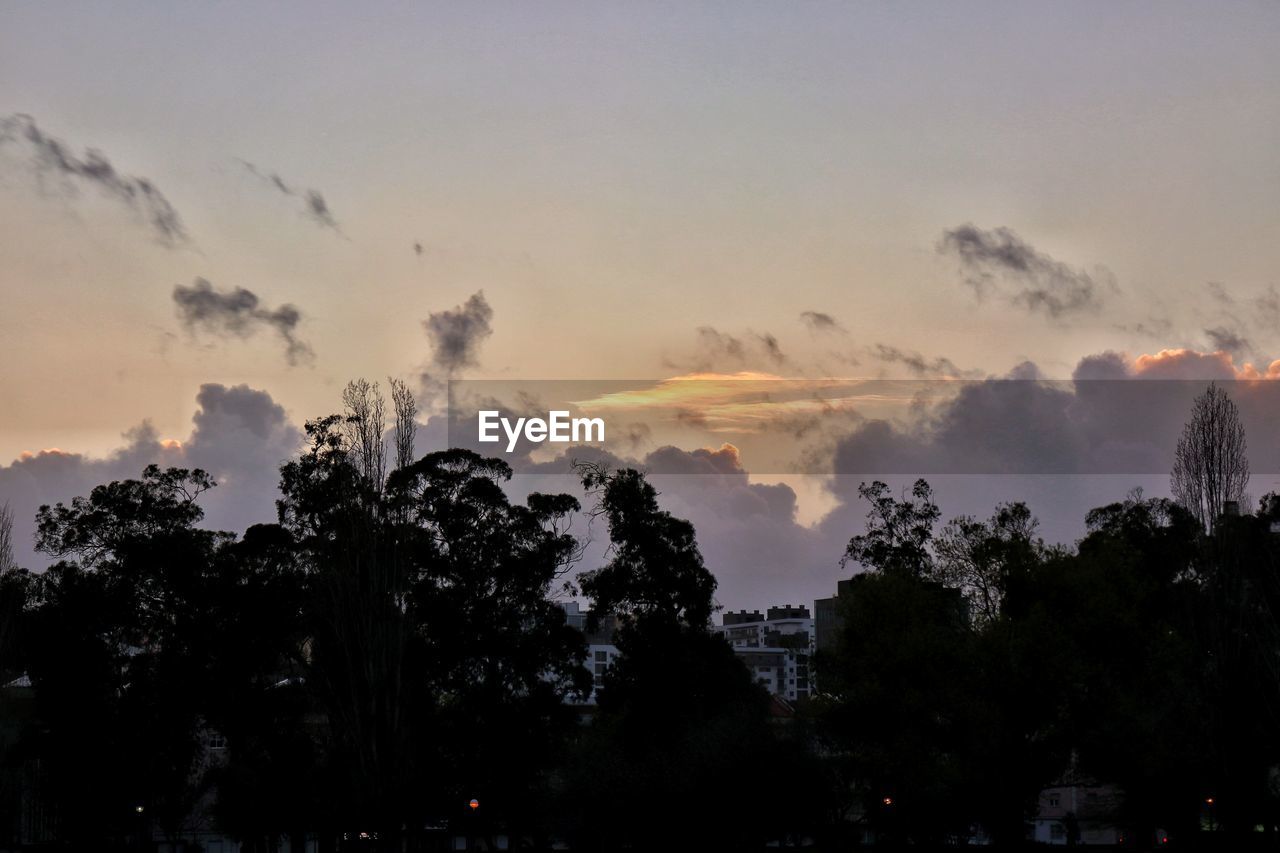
{"x":938,"y":700}
{"x":267,"y":780}
{"x":405,"y":426}
{"x":984,"y":559}
{"x":437,"y":660}
{"x":655,"y":575}
{"x":13,"y":594}
{"x":7,"y":561}
{"x":902,"y":714}
{"x":498,"y":659}
{"x":1210,"y":467}
{"x":678,"y":712}
{"x":119,"y":647}
{"x":899,"y":709}
{"x":899,"y":531}
{"x":1135,"y":695}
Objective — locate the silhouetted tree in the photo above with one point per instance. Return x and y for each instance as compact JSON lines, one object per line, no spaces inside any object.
{"x":405,"y":426}
{"x":119,"y":653}
{"x":679,"y":716}
{"x":13,"y":594}
{"x":7,"y":561}
{"x":267,"y":777}
{"x":984,"y":559}
{"x":435,"y":653}
{"x":365,"y":425}
{"x":1210,"y":467}
{"x":899,"y":531}
{"x":897,"y":679}
{"x":938,"y":701}
{"x":1136,"y":701}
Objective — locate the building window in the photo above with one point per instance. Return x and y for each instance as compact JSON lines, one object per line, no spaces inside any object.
{"x":1054,"y":801}
{"x":602,"y":657}
{"x":217,"y":741}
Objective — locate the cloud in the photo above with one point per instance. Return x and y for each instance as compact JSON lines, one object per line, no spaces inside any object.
{"x":139,"y":194}
{"x":1103,"y":421}
{"x":1268,"y":306}
{"x":457,"y":333}
{"x":717,"y":351}
{"x":1152,"y":327}
{"x":1062,"y":446}
{"x":238,"y":312}
{"x":999,"y":262}
{"x":747,"y":531}
{"x":919,"y":365}
{"x":314,"y":204}
{"x":1228,"y":340}
{"x":1189,"y":364}
{"x":819,"y":322}
{"x":240,"y":435}
{"x":1219,"y":293}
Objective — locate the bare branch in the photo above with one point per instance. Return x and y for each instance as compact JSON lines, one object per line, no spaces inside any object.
{"x":8,"y":562}
{"x":406,"y":426}
{"x":365,"y":425}
{"x":1210,"y":468}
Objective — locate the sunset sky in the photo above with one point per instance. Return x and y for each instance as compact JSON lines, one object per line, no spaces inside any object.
{"x":639,"y":190}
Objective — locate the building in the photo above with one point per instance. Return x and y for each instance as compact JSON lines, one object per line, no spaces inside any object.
{"x":777,"y":646}
{"x":601,"y":649}
{"x":827,"y":621}
{"x":1078,"y":812}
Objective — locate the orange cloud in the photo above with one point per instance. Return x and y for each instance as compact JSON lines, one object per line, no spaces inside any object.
{"x":748,"y":401}
{"x":48,"y":451}
{"x":1182,"y":363}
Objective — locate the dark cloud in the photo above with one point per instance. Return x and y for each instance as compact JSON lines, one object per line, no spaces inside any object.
{"x":747,"y":531}
{"x":999,"y":262}
{"x":717,"y":345}
{"x":1224,"y":339}
{"x":817,"y":321}
{"x":1103,"y":365}
{"x":457,"y":333}
{"x":1157,"y":328}
{"x":1061,"y":446}
{"x":139,"y":194}
{"x":1106,"y":420}
{"x":635,"y":436}
{"x":238,"y":312}
{"x":1240,"y":322}
{"x":920,"y":365}
{"x":239,"y":435}
{"x":1219,"y":293}
{"x":717,"y":351}
{"x":314,"y":204}
{"x":1268,"y":306}
{"x":769,"y":344}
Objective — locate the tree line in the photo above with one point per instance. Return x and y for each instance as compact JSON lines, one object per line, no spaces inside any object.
{"x":389,"y":650}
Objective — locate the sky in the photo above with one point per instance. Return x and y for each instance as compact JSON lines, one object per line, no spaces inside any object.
{"x":288,"y":196}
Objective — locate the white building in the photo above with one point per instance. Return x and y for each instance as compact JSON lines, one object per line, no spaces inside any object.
{"x":601,"y":651}
{"x":777,"y":646}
